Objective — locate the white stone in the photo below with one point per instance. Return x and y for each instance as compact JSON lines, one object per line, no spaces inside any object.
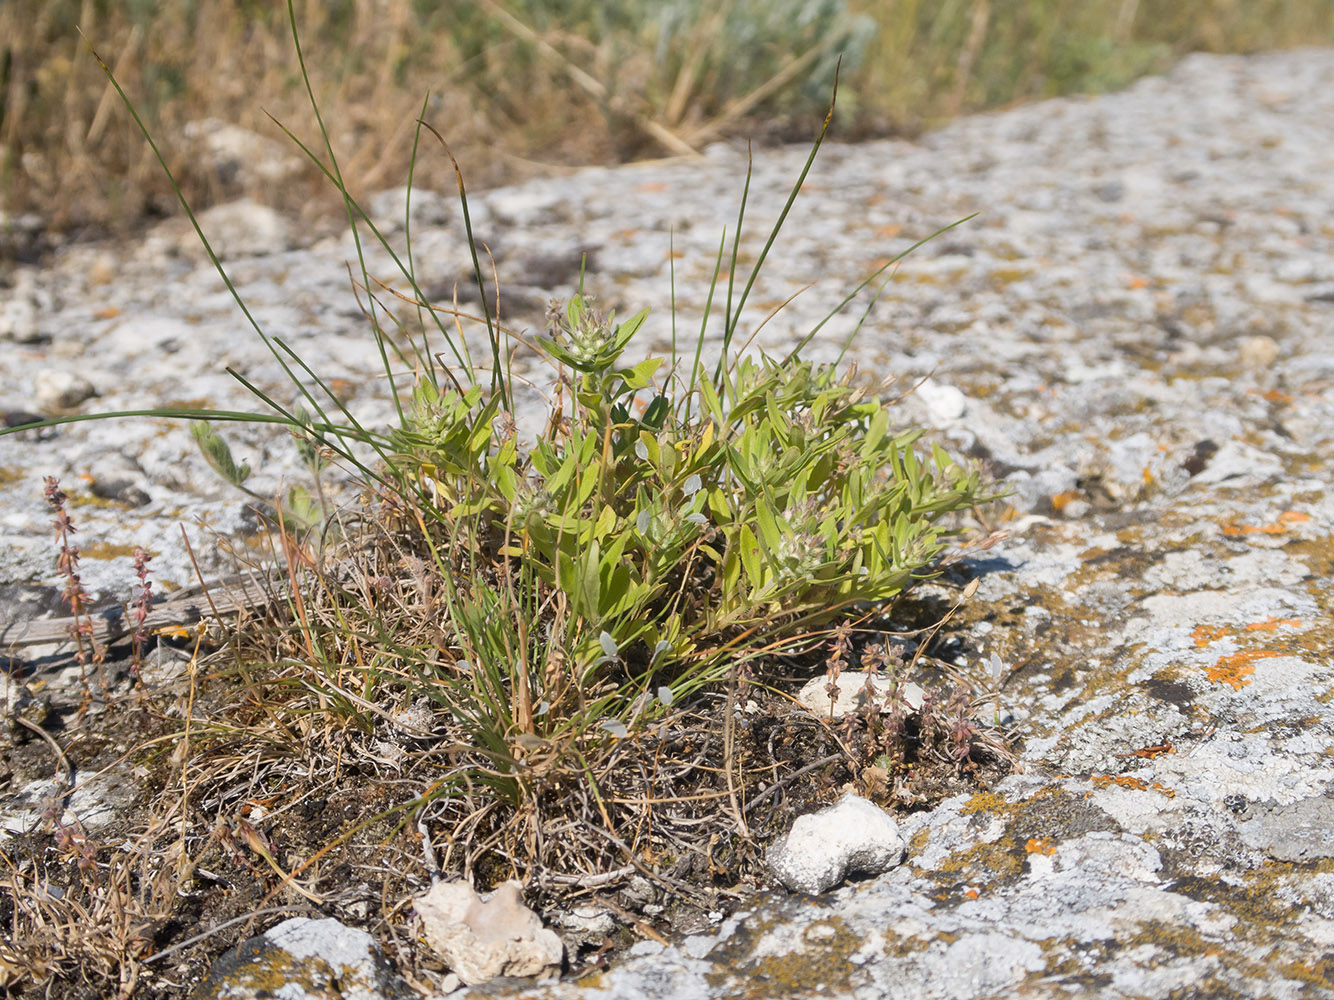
{"x":241,"y":156}
{"x":303,"y":959}
{"x":18,"y":310}
{"x":428,"y":208}
{"x":482,"y":937}
{"x":240,"y":229}
{"x":945,"y":402}
{"x":852,"y":693}
{"x":59,"y":389}
{"x":852,"y":836}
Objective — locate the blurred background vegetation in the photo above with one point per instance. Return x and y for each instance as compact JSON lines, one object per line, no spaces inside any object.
{"x":520,"y":87}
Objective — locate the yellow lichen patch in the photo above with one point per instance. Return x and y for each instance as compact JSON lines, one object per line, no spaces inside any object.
{"x":1008,"y":275}
{"x":1277,"y":527}
{"x":998,"y":860}
{"x":820,"y":966}
{"x":1316,"y":553}
{"x":1236,"y":668}
{"x":105,"y":550}
{"x":983,"y":802}
{"x":919,"y":841}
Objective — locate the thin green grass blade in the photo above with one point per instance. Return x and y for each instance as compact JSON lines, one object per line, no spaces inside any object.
{"x":869,"y":278}
{"x":730,"y":318}
{"x":704,"y":322}
{"x":199,"y":232}
{"x":347,"y":206}
{"x":426,"y":357}
{"x":782,"y":217}
{"x":463,"y":358}
{"x":497,"y":382}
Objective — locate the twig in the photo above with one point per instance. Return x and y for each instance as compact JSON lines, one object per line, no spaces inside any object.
{"x":62,"y":760}
{"x":776,"y":786}
{"x":590,"y":881}
{"x":222,"y":927}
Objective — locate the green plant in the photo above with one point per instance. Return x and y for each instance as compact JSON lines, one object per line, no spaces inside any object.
{"x":677,"y":519}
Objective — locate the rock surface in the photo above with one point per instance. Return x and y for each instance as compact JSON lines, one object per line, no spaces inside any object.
{"x":1141,"y":327}
{"x":304,"y":959}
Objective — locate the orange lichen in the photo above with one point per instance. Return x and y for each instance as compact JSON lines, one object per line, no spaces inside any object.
{"x":1236,"y":668}
{"x":1202,"y":635}
{"x":1276,"y":528}
{"x":1122,"y":780}
{"x":1271,"y":623}
{"x":1060,"y":501}
{"x":1131,"y":782}
{"x":1040,"y":845}
{"x":1205,"y":634}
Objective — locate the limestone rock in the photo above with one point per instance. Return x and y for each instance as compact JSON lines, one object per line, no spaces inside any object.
{"x":306,"y":960}
{"x":852,"y":693}
{"x":18,"y":311}
{"x":61,"y":389}
{"x":852,"y":836}
{"x":242,"y":228}
{"x":239,"y":157}
{"x":482,"y":937}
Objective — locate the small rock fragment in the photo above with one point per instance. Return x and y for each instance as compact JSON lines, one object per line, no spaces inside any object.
{"x":1258,"y":352}
{"x":240,"y":229}
{"x":18,"y":311}
{"x":482,"y":937}
{"x":853,"y":693}
{"x":945,"y":402}
{"x":852,"y":836}
{"x":57,"y":389}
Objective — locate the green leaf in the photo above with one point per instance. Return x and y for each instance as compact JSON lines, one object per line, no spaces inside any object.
{"x":589,"y":577}
{"x":606,"y":523}
{"x":217,"y":454}
{"x":656,"y":413}
{"x":641,"y":375}
{"x":749,"y":548}
{"x":764,"y":517}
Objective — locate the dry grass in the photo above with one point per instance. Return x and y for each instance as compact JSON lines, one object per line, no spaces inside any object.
{"x":303,"y":768}
{"x":516,"y":92}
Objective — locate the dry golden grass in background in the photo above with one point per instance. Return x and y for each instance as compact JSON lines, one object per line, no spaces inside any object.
{"x":517,"y":91}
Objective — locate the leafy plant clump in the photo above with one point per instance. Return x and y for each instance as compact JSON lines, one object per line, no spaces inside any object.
{"x":551,"y":633}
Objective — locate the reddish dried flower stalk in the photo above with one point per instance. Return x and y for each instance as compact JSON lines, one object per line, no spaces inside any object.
{"x":74,"y":594}
{"x":140,"y":605}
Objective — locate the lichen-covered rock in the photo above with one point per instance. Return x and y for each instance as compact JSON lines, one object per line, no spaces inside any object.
{"x":304,"y":959}
{"x":853,"y":836}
